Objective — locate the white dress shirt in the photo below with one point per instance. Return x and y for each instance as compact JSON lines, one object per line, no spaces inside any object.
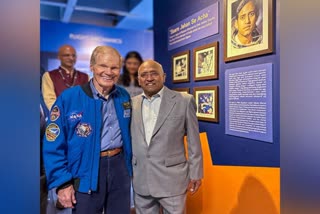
{"x":150,"y":111}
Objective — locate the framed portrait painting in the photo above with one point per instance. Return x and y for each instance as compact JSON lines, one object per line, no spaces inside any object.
{"x":207,"y":103}
{"x":182,"y":90}
{"x":205,"y":62}
{"x":180,"y":67}
{"x":248,"y":28}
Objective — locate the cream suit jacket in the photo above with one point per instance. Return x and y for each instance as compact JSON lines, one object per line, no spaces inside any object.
{"x":161,"y":169}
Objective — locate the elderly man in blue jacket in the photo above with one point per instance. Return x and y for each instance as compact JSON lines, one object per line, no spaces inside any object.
{"x":87,"y":147}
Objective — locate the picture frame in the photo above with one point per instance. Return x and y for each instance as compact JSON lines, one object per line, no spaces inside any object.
{"x":180,"y":67}
{"x":183,"y":90}
{"x":205,"y":62}
{"x":243,"y":39}
{"x":207,"y":102}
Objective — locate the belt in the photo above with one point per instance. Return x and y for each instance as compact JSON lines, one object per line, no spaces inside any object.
{"x":110,"y":152}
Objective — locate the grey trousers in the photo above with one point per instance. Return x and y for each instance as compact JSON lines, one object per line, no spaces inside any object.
{"x":151,"y":205}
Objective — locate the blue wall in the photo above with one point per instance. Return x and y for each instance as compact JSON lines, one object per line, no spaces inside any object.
{"x":85,"y":38}
{"x":225,"y":149}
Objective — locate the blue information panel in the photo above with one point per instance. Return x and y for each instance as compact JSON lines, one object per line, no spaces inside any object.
{"x":249,"y":102}
{"x":195,"y":27}
{"x":85,"y":38}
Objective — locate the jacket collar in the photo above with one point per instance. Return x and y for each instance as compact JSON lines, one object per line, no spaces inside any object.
{"x":87,"y":89}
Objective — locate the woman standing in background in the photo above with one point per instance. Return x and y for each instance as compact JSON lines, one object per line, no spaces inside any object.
{"x":129,"y":77}
{"x":129,"y":80}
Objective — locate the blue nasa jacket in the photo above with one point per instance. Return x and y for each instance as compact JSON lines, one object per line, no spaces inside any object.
{"x":71,"y":146}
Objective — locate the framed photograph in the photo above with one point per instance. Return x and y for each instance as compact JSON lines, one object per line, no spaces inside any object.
{"x":248,"y":28}
{"x":207,"y":103}
{"x":180,"y":67}
{"x":205,"y":62}
{"x":182,"y":90}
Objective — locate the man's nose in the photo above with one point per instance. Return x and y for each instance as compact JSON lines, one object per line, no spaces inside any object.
{"x":149,"y":77}
{"x":247,"y":19}
{"x":107,"y":70}
{"x":72,"y":56}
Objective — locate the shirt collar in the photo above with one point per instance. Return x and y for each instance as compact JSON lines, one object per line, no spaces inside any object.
{"x":65,"y":70}
{"x":97,"y":95}
{"x":159,"y":94}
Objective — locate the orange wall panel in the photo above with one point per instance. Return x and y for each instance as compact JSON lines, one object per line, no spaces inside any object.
{"x":235,"y":189}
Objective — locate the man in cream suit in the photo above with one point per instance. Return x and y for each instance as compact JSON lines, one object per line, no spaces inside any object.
{"x":160,"y":119}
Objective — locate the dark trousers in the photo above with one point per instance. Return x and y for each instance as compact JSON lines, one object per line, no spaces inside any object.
{"x":43,"y":195}
{"x":113,"y":194}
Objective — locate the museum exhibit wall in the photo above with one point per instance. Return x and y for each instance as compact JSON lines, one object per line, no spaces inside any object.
{"x":242,"y":170}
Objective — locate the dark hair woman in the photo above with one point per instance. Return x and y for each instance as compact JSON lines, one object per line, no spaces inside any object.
{"x":129,"y":77}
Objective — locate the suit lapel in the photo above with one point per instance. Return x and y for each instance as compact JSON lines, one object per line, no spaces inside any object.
{"x":166,"y":107}
{"x":138,"y":115}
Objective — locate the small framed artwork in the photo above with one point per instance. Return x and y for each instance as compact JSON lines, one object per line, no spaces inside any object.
{"x":180,"y":67}
{"x":205,"y":62}
{"x":182,"y":90}
{"x":248,"y":28}
{"x":207,"y":103}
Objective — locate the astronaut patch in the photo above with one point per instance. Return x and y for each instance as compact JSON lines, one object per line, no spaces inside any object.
{"x":55,"y":113}
{"x":83,"y":129}
{"x":52,"y":132}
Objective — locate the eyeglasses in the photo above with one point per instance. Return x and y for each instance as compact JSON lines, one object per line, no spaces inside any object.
{"x":152,"y":74}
